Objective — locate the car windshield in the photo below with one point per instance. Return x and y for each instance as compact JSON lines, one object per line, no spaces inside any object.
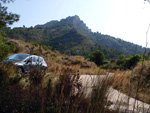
{"x":18,"y":57}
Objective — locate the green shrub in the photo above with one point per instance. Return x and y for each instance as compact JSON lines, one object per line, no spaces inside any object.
{"x":46,"y":48}
{"x":97,"y":57}
{"x":4,"y":51}
{"x":132,"y":61}
{"x":128,"y":63}
{"x":12,"y":47}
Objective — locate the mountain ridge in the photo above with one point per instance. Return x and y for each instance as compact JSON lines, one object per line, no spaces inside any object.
{"x":99,"y":38}
{"x":72,"y":20}
{"x":72,"y":36}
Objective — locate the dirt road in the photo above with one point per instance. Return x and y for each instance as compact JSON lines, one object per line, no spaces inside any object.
{"x":116,"y":99}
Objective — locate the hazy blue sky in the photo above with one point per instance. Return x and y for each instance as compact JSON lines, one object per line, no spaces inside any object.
{"x":125,"y":19}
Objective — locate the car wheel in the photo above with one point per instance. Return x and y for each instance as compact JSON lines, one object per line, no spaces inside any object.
{"x":20,"y":72}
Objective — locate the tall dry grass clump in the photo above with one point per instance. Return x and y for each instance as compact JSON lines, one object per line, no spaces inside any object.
{"x":99,"y":95}
{"x":143,"y":72}
{"x":122,"y":80}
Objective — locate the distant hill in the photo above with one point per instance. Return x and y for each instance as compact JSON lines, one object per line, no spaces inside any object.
{"x":72,"y":36}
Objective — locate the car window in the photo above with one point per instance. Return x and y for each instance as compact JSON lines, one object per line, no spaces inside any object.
{"x":28,"y":59}
{"x":18,"y":57}
{"x":44,"y":61}
{"x":41,"y":59}
{"x":33,"y":59}
{"x":38,"y":59}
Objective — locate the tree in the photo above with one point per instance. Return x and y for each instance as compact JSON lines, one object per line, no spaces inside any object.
{"x":5,"y":17}
{"x":97,"y":57}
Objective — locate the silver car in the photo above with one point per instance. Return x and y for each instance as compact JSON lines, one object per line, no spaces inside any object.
{"x":26,"y":63}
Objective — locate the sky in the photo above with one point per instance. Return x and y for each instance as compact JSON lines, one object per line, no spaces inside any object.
{"x":124,"y":19}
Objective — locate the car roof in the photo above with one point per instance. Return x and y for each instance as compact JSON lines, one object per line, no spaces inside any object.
{"x":26,"y":54}
{"x":20,"y":54}
{"x":35,"y":55}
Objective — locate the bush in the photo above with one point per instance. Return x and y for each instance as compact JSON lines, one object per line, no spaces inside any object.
{"x":12,"y":46}
{"x":97,"y":57}
{"x":4,"y":51}
{"x":46,"y":48}
{"x":10,"y":96}
{"x":128,"y":63}
{"x":132,"y":61}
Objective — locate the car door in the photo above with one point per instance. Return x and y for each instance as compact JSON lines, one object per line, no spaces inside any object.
{"x":33,"y":66}
{"x":38,"y":63}
{"x":28,"y":64}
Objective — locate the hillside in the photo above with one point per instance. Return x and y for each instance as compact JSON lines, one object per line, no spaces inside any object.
{"x":73,"y":37}
{"x":62,"y":80}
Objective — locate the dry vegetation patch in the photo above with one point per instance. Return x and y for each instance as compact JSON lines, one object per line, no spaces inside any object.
{"x":135,"y":83}
{"x":59,"y":90}
{"x":57,"y":61}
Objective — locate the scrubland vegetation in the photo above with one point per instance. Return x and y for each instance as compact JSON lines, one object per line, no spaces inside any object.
{"x":61,"y":90}
{"x":58,"y":91}
{"x":135,"y":82}
{"x":56,"y":95}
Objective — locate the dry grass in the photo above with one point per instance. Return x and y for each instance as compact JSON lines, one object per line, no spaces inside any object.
{"x":69,"y":86}
{"x":9,"y":69}
{"x":55,"y":94}
{"x":127,"y":82}
{"x":59,"y":91}
{"x":93,"y":71}
{"x":56,"y":61}
{"x":121,"y":80}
